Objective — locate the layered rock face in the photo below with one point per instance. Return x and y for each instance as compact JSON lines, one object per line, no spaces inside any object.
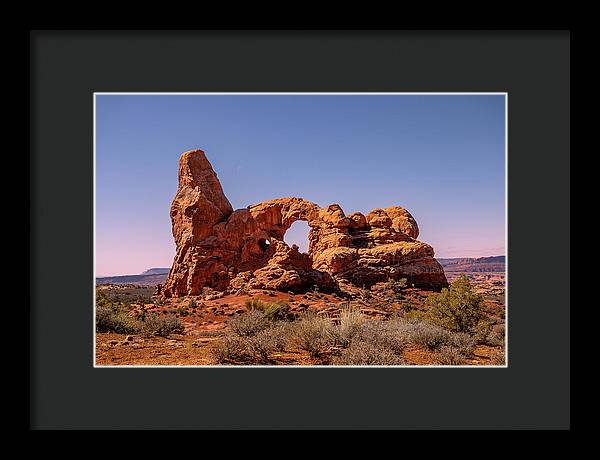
{"x":220,"y":248}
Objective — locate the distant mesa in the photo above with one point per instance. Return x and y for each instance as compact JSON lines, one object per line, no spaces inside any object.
{"x":474,"y":265}
{"x":223,"y":249}
{"x":156,"y":271}
{"x":150,"y":277}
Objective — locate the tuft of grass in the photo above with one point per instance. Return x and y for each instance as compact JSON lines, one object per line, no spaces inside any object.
{"x":351,"y":320}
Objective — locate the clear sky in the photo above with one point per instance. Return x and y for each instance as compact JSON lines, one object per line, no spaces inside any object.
{"x":440,"y":157}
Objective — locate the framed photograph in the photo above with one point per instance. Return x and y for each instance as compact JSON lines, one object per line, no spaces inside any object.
{"x":294,"y":281}
{"x":323,"y":215}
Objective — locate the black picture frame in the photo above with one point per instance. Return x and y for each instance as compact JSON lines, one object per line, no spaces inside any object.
{"x":67,"y":67}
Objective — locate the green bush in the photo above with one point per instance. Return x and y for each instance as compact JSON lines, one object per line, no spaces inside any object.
{"x":272,"y":310}
{"x":457,"y":308}
{"x":112,"y":320}
{"x":113,"y":316}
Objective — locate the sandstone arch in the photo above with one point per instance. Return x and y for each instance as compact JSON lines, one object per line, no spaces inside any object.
{"x":222,"y":248}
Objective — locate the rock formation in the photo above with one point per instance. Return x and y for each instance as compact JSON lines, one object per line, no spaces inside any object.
{"x":220,"y":248}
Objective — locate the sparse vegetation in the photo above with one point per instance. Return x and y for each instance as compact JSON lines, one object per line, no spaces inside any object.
{"x":386,"y":324}
{"x":113,"y":316}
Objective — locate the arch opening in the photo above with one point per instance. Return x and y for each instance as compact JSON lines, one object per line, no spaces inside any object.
{"x":297,"y":235}
{"x":263,"y":244}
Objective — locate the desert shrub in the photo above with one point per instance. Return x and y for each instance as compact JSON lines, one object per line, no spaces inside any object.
{"x":272,"y":310}
{"x":162,"y":326}
{"x":450,"y":356}
{"x":457,"y":308}
{"x":261,"y":345}
{"x":112,"y":316}
{"x":383,"y":334}
{"x":430,"y":336}
{"x":498,"y":358}
{"x":313,"y":333}
{"x":192,"y":303}
{"x":230,"y":349}
{"x":413,"y":314}
{"x":350,"y":321}
{"x":496,"y":336}
{"x":464,"y":343}
{"x":114,"y":320}
{"x":361,"y":353}
{"x":282,"y":333}
{"x":482,"y":330}
{"x":250,"y":323}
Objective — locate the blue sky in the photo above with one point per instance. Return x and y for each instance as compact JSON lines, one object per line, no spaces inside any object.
{"x":440,"y":157}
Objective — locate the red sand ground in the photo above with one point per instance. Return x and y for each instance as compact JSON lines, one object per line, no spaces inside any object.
{"x":208,"y":320}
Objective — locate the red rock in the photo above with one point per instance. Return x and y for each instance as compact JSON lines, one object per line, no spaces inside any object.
{"x":244,"y":249}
